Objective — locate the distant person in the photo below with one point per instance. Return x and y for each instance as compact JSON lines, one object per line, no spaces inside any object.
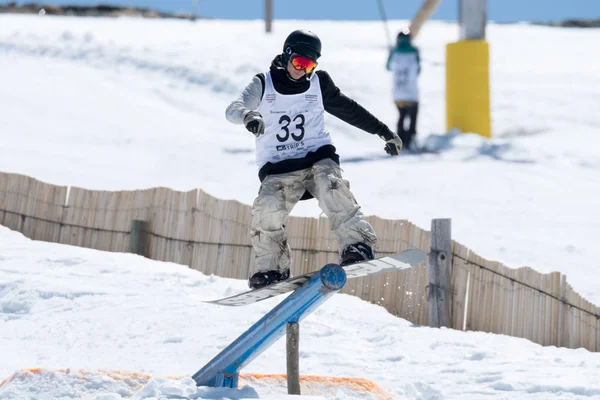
{"x":405,"y":64}
{"x":285,"y":109}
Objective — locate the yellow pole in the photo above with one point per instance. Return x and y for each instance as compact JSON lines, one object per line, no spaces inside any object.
{"x":468,"y":87}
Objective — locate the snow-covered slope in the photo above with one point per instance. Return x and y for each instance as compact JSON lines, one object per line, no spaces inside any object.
{"x":67,"y":307}
{"x":130,"y":103}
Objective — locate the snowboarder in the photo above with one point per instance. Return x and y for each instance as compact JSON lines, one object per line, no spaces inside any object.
{"x":405,"y":64}
{"x":284,"y":108}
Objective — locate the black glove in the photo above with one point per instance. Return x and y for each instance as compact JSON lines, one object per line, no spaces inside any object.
{"x":393,"y":143}
{"x":254,"y":123}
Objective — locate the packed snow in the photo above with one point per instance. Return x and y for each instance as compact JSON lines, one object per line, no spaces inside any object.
{"x":130,"y":103}
{"x":98,"y":313}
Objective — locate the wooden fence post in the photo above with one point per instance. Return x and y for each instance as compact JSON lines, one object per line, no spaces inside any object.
{"x":563,"y":314}
{"x":597,"y":334}
{"x":138,"y":238}
{"x":292,"y":357}
{"x":440,"y":274}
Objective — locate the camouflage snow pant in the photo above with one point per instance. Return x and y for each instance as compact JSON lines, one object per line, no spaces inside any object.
{"x":277,"y":196}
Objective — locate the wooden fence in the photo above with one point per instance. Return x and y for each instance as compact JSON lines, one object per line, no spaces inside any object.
{"x":213,"y":236}
{"x":543,"y":308}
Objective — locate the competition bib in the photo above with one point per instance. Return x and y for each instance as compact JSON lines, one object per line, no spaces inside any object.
{"x":294,"y":123}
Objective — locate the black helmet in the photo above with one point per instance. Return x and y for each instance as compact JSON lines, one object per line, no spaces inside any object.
{"x":304,"y":43}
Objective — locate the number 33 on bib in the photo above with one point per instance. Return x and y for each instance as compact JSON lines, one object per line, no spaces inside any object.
{"x":295,"y":124}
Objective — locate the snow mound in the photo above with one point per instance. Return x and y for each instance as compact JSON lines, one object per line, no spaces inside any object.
{"x":104,"y":384}
{"x":108,"y":385}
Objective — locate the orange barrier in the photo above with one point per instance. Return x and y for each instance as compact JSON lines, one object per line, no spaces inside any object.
{"x":319,"y":385}
{"x":325,"y":386}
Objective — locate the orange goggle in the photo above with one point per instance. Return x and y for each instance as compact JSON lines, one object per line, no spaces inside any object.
{"x":302,"y":63}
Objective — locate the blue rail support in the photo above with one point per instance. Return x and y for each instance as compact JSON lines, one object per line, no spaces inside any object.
{"x":223,"y":370}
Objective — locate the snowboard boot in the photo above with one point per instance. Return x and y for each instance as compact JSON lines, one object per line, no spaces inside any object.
{"x":262,"y":279}
{"x":356,"y":252}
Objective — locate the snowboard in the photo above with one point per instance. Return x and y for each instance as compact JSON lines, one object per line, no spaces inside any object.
{"x":403,"y":260}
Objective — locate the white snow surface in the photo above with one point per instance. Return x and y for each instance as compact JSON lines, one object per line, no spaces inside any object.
{"x":67,"y":307}
{"x":129,"y":103}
